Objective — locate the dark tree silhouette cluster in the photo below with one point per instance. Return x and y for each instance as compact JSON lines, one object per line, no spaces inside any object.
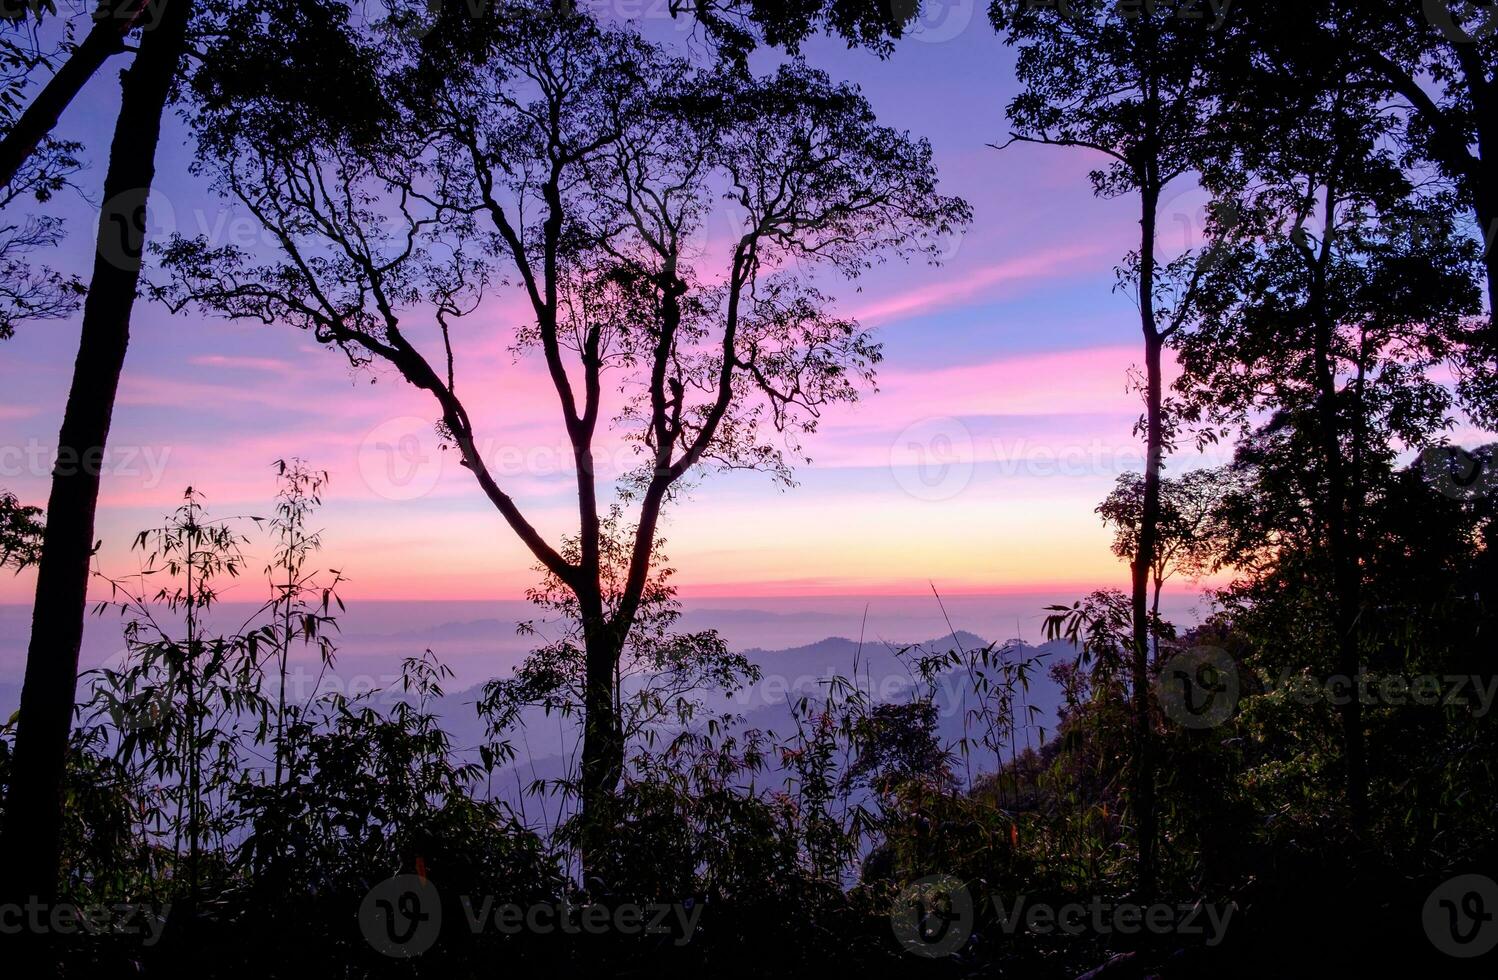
{"x":659,"y":225}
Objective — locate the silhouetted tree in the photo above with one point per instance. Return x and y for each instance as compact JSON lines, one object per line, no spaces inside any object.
{"x":1441,"y":58}
{"x":48,"y":165}
{"x":740,"y":24}
{"x":1129,"y":83}
{"x":304,"y":600}
{"x":582,"y":165}
{"x":30,"y":836}
{"x":27,"y":133}
{"x":660,"y":675}
{"x":1189,"y":538}
{"x":1434,"y":65}
{"x":20,"y":532}
{"x":734,"y":27}
{"x":52,"y":658}
{"x":1343,"y":284}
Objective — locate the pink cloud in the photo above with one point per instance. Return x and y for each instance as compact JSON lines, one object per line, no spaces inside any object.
{"x":948,"y":292}
{"x":1075,"y":401}
{"x":246,"y":363}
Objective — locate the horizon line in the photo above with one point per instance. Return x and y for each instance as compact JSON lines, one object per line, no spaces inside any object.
{"x":958,"y":593}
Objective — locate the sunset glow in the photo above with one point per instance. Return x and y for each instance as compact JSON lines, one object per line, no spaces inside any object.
{"x":1005,"y":381}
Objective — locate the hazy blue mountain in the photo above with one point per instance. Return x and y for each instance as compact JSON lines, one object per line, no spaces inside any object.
{"x":546,"y":744}
{"x":481,"y":641}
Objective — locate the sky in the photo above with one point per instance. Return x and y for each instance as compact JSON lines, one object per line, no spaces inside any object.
{"x":1003,"y":413}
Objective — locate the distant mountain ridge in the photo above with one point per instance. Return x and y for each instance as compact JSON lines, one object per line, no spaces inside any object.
{"x":547,"y":744}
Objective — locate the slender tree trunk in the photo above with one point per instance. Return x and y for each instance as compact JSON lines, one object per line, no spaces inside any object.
{"x":1158,"y":585}
{"x":1338,"y":515}
{"x":1144,"y":763}
{"x":1465,"y":146}
{"x":1143,"y":775}
{"x":1346,"y":576}
{"x":104,"y":40}
{"x":603,"y":743}
{"x":282,"y":656}
{"x":1452,"y":145}
{"x":30,"y":844}
{"x":1480,"y":89}
{"x":1486,"y":210}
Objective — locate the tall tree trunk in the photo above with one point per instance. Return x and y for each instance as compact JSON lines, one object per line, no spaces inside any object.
{"x":1339,"y":513}
{"x":30,"y":843}
{"x":1483,"y":187}
{"x":1157,"y":586}
{"x":1485,"y":209}
{"x":1484,"y":98}
{"x":603,"y":743}
{"x":1143,"y":778}
{"x":1342,"y":544}
{"x":104,"y":40}
{"x":1143,"y":775}
{"x":1466,"y":159}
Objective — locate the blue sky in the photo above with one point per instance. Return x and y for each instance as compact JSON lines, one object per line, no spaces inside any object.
{"x":1002,"y":419}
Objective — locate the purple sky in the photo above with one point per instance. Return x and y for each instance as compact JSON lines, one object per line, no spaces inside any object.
{"x":1002,"y":419}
